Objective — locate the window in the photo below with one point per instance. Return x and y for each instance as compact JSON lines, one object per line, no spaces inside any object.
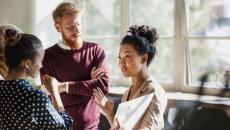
{"x":194,"y":37}
{"x":140,"y":14}
{"x":104,"y":16}
{"x":146,"y":12}
{"x":208,"y":38}
{"x":101,"y":25}
{"x":107,"y":22}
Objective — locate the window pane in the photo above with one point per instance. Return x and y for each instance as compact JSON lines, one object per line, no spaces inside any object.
{"x":209,"y":17}
{"x":101,"y":17}
{"x":111,"y":48}
{"x":156,"y":13}
{"x":161,"y":67}
{"x":209,"y":55}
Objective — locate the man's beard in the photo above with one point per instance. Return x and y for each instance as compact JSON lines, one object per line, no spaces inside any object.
{"x":69,"y":41}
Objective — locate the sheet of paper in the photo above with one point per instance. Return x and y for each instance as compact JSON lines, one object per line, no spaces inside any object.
{"x":130,"y":112}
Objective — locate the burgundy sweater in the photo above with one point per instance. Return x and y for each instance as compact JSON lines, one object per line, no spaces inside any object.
{"x":74,"y":66}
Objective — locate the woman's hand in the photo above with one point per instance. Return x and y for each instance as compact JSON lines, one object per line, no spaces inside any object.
{"x":105,"y":104}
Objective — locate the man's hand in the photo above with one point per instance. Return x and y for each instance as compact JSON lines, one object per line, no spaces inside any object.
{"x":63,"y":87}
{"x":97,"y":72}
{"x":44,"y":90}
{"x":50,"y":83}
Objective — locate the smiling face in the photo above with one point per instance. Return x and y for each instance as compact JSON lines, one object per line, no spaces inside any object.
{"x":70,"y":28}
{"x":130,"y":62}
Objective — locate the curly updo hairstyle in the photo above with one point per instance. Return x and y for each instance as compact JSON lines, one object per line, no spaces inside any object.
{"x":143,"y":38}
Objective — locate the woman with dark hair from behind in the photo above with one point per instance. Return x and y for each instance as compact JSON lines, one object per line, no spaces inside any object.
{"x":137,"y":50}
{"x":23,"y":107}
{"x":3,"y":28}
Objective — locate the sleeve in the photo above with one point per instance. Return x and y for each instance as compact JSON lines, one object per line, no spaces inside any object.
{"x":86,"y":87}
{"x":48,"y":67}
{"x":153,"y":117}
{"x":47,"y":117}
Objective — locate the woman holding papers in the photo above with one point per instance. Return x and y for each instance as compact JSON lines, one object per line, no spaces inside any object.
{"x":137,"y":50}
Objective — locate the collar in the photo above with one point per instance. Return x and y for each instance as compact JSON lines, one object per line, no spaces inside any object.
{"x":141,"y":89}
{"x":63,"y":45}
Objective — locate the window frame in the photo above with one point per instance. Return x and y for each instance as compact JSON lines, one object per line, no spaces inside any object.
{"x":181,"y":79}
{"x":186,"y":85}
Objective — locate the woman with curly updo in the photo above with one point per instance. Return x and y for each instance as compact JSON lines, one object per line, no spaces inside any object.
{"x":137,"y":50}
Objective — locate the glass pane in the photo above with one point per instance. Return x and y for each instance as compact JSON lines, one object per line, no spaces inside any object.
{"x":161,"y":67}
{"x":150,"y":12}
{"x":101,"y":17}
{"x":209,"y":17}
{"x":111,"y":48}
{"x":209,"y":56}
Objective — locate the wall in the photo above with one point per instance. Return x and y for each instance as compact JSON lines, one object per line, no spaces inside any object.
{"x":18,"y":12}
{"x":32,"y":16}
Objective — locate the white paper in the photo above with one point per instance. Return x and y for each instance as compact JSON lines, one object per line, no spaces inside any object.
{"x":130,"y":112}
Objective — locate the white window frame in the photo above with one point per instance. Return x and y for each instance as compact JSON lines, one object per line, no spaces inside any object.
{"x":181,"y":63}
{"x":183,"y":79}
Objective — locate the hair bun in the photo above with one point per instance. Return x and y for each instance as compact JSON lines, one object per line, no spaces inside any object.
{"x":145,"y":32}
{"x":12,"y":37}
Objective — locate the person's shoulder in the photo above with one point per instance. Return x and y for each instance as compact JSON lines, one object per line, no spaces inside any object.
{"x":151,"y":85}
{"x":30,"y":90}
{"x":92,"y":45}
{"x":39,"y":96}
{"x":51,"y":48}
{"x":51,"y":51}
{"x":89,"y":43}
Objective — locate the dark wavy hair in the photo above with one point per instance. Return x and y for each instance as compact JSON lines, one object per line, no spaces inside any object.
{"x":143,"y":39}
